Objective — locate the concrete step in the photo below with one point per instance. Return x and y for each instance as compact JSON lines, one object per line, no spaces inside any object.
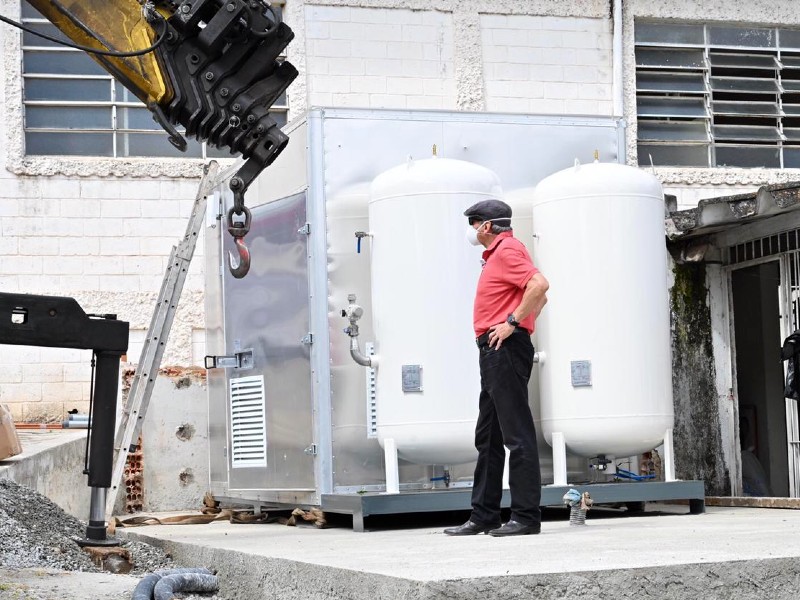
{"x":727,"y":553}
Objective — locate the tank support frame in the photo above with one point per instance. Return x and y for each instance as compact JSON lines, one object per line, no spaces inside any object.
{"x":361,"y":506}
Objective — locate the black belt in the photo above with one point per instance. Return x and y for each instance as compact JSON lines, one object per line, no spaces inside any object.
{"x":483,"y":340}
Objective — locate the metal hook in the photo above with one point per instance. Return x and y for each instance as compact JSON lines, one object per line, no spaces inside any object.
{"x":241,"y":269}
{"x":238,"y":230}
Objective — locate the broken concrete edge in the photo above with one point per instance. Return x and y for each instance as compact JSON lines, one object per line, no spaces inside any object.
{"x":181,"y":376}
{"x":243,"y":576}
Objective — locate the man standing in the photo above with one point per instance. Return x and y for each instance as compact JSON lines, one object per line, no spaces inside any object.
{"x":511,"y":293}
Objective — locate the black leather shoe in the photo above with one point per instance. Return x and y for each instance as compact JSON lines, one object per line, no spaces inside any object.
{"x":516,"y":528}
{"x":469,"y":528}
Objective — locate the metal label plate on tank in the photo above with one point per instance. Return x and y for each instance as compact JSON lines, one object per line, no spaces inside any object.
{"x":412,"y":378}
{"x":581,"y":373}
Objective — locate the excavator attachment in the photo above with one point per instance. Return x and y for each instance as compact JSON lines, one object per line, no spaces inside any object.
{"x":214,"y":70}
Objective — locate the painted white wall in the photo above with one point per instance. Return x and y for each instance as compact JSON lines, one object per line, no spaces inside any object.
{"x":550,"y":65}
{"x":379,"y":58}
{"x":101,"y":229}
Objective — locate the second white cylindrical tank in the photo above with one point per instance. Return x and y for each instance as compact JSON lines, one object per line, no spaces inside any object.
{"x":606,"y":382}
{"x":424,"y":276}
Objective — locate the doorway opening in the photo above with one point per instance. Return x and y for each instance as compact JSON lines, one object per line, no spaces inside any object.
{"x":756,"y":292}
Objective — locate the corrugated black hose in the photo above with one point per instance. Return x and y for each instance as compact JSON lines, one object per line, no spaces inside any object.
{"x":185,"y":582}
{"x":145,"y":589}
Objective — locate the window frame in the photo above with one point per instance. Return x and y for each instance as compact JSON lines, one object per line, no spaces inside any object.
{"x":774,"y":118}
{"x":119,"y":135}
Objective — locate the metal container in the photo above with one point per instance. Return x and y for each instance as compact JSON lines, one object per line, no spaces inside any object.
{"x":606,"y":382}
{"x":316,"y":427}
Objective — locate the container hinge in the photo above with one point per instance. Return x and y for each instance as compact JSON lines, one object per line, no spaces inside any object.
{"x":311,"y":450}
{"x":305,"y":229}
{"x":308,"y":339}
{"x":240,"y":360}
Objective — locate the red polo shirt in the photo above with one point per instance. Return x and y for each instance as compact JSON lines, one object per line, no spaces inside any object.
{"x":507,"y":270}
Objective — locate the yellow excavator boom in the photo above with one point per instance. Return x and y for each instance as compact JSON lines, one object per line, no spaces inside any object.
{"x":212,"y":67}
{"x":114,"y":26}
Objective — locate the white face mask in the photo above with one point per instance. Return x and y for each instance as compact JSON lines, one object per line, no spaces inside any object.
{"x":472,"y":235}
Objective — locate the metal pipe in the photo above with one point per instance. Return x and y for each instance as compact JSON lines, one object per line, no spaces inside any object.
{"x":358,"y":356}
{"x":96,"y":529}
{"x":354,"y":312}
{"x":616,"y":60}
{"x":98,"y":504}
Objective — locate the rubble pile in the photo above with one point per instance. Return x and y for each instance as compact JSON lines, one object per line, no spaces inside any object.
{"x":35,"y":532}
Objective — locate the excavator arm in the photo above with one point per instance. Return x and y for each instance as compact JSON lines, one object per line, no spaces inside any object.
{"x":210,"y":66}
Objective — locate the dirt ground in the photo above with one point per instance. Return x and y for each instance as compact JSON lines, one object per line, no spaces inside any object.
{"x":48,"y":584}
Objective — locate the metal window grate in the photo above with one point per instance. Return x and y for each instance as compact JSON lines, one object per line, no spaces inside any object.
{"x":248,"y":422}
{"x":717,"y":96}
{"x":763,"y":247}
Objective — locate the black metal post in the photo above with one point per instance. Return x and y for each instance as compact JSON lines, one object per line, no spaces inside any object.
{"x":60,"y":322}
{"x":101,"y":445}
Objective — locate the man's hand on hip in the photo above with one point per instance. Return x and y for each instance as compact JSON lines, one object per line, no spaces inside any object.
{"x":498,"y":333}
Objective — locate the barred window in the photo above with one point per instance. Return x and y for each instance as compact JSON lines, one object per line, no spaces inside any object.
{"x":74,"y":107}
{"x":717,"y":95}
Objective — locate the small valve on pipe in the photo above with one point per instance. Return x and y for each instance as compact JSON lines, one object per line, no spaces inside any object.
{"x":353,"y":312}
{"x":360,"y":235}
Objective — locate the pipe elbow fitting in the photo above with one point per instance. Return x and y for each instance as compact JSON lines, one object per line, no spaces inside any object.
{"x":358,"y":356}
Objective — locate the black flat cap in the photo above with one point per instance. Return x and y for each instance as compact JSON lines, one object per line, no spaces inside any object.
{"x":490,"y":210}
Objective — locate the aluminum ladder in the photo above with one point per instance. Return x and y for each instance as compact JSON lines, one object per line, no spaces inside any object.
{"x":136,"y":404}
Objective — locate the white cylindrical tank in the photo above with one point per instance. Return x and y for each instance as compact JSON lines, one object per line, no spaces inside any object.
{"x":424,"y":276}
{"x":606,"y":381}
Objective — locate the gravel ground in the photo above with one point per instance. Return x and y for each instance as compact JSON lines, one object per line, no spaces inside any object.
{"x":38,"y":550}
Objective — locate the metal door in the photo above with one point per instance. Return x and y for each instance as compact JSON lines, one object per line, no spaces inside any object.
{"x":790,"y":322}
{"x":269,"y":403}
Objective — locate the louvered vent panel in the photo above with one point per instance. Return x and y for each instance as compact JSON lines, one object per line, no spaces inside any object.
{"x":248,"y":423}
{"x":717,"y":95}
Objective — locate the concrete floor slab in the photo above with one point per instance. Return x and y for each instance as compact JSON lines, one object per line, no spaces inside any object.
{"x":724,"y":549}
{"x":726,"y":553}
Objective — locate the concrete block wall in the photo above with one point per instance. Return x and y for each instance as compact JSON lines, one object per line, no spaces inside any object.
{"x":551,"y":65}
{"x":106,"y":242}
{"x":379,"y":58}
{"x":529,"y":57}
{"x":101,"y":229}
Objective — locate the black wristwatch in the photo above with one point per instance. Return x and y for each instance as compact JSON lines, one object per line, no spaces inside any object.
{"x":512,"y":320}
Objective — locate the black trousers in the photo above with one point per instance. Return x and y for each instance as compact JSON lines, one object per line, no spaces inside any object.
{"x":505,"y":420}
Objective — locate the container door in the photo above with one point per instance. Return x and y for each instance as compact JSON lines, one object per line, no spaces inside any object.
{"x":267,"y":314}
